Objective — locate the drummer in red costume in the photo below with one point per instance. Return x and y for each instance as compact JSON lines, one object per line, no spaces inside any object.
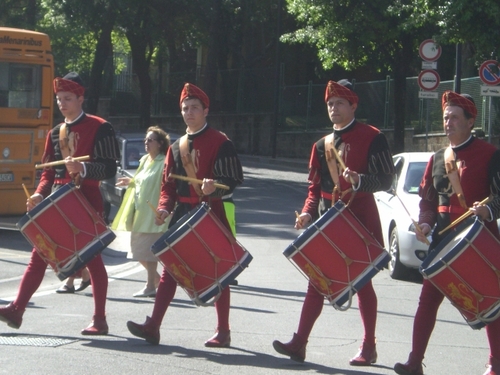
{"x":369,"y":168}
{"x":84,"y":135}
{"x":479,"y":177}
{"x":205,"y":154}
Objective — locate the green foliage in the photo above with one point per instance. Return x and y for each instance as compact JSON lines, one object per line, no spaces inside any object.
{"x":472,"y":21}
{"x":354,"y":33}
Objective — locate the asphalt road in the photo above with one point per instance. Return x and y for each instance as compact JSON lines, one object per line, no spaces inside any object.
{"x":266,"y":305}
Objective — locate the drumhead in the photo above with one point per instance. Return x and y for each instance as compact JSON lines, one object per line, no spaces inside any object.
{"x":180,"y":228}
{"x":451,"y":246}
{"x":39,"y":208}
{"x":309,"y":233}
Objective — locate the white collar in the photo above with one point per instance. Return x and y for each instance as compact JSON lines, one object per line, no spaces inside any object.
{"x":75,"y":120}
{"x":461,"y":144}
{"x":196,"y":132}
{"x":345,"y":127}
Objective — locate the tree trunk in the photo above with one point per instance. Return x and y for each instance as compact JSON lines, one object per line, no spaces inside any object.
{"x":402,"y":62}
{"x":104,"y":50}
{"x":141,"y":63}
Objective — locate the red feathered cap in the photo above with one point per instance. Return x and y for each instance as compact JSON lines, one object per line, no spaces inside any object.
{"x":464,"y":101}
{"x":192,"y":91}
{"x":71,"y":82}
{"x":341,"y":89}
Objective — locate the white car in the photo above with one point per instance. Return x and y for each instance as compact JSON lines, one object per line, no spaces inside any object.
{"x":398,"y":208}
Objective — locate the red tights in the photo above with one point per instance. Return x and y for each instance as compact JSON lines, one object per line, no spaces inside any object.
{"x":425,"y":319}
{"x":313,"y":304}
{"x":165,"y":294}
{"x":35,"y":272}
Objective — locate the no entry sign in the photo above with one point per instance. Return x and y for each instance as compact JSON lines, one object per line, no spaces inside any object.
{"x":489,"y":72}
{"x":429,"y":50}
{"x":428,"y":80}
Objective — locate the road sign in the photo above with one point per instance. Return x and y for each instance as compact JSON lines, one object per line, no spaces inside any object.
{"x":489,"y":72}
{"x":428,"y":95}
{"x":490,"y":90}
{"x":428,"y":80}
{"x":429,"y":50}
{"x":429,"y":65}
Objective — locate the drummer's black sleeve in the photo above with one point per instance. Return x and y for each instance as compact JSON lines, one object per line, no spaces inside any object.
{"x":106,"y":154}
{"x":380,"y":167}
{"x":227,"y":169}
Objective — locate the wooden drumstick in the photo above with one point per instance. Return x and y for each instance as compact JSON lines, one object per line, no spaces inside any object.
{"x":464,"y":216}
{"x":157,"y":214}
{"x":297,"y":215}
{"x":27,"y":194}
{"x":408,"y":212}
{"x":339,"y":159}
{"x":190,"y":179}
{"x":341,"y":162}
{"x":60,"y":162}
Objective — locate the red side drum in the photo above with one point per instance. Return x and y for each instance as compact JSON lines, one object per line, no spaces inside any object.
{"x":337,"y":255}
{"x":66,"y":230}
{"x":201,"y":254}
{"x":465,"y":267}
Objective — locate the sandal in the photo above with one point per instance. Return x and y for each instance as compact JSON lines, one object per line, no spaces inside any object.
{"x":83,"y":285}
{"x":66,"y":289}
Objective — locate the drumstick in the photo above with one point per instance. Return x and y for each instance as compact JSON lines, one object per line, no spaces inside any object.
{"x":464,"y":216}
{"x":408,"y":212}
{"x":190,"y":179}
{"x":60,"y":162}
{"x":297,"y":215}
{"x":157,"y":214}
{"x":341,"y":162}
{"x":339,"y":159}
{"x":27,"y":194}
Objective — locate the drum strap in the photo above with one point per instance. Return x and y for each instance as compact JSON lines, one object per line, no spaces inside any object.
{"x":65,"y":151}
{"x":333,"y":167}
{"x":452,"y":170}
{"x":451,"y":210}
{"x":187,"y":163}
{"x":64,"y":140}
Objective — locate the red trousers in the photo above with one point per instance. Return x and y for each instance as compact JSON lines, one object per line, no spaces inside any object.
{"x":165,"y":295}
{"x":313,"y":305}
{"x":35,"y":272}
{"x":425,"y":319}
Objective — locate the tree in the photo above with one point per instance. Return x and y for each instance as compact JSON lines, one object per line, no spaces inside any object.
{"x":19,"y":14}
{"x":380,"y":34}
{"x":472,"y":21}
{"x":86,"y":28}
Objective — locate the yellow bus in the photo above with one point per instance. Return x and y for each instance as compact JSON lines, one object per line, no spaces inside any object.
{"x":26,"y":115}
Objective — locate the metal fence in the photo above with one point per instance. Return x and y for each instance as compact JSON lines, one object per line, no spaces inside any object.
{"x":302,"y":107}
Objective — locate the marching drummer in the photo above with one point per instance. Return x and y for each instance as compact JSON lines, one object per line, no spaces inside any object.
{"x":456,"y":180}
{"x":202,"y":154}
{"x":365,"y":154}
{"x":80,"y":134}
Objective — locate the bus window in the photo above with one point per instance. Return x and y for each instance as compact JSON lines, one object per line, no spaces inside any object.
{"x":24,"y":91}
{"x":26,"y":112}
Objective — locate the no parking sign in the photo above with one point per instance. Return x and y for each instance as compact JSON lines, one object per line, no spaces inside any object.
{"x":489,"y":72}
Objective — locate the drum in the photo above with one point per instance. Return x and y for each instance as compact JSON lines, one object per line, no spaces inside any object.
{"x":337,"y":255}
{"x":66,"y":230}
{"x":465,"y":267}
{"x":201,"y":254}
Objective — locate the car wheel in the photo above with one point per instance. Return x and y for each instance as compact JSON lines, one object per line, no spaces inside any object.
{"x":396,"y":269}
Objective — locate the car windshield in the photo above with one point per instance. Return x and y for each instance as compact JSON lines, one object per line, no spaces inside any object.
{"x":414,"y":176}
{"x":134,"y":150}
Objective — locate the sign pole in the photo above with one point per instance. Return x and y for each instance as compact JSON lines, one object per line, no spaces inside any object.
{"x":426,"y":124}
{"x":489,"y":119}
